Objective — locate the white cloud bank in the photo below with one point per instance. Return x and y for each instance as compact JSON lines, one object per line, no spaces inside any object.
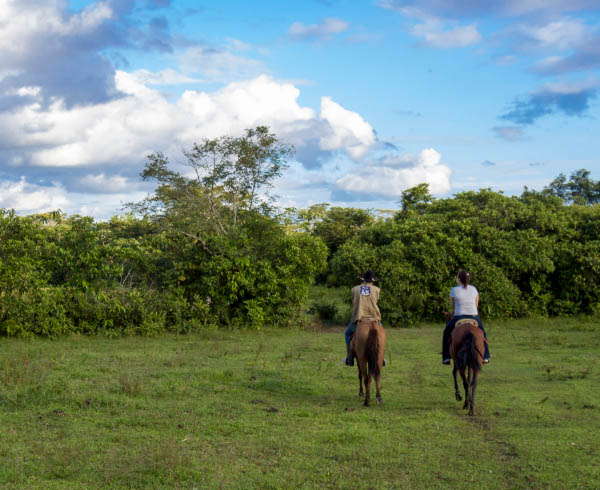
{"x":125,"y":130}
{"x":390,"y":176}
{"x":29,"y":198}
{"x":105,"y":142}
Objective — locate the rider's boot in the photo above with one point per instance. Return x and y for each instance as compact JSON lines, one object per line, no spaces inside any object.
{"x":349,"y":361}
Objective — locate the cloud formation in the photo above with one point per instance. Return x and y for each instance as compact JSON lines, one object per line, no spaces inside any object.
{"x":565,"y":33}
{"x":571,"y":100}
{"x":219,"y":65}
{"x":325,"y":29}
{"x":44,"y":47}
{"x":436,"y":35}
{"x":63,"y":54}
{"x":586,"y":58}
{"x":388,"y":177}
{"x":558,"y":32}
{"x":510,"y":8}
{"x":28,"y":198}
{"x":102,"y":147}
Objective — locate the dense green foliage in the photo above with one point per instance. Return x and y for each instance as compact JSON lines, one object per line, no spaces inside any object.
{"x":204,"y":251}
{"x":208,"y":248}
{"x":531,"y":254}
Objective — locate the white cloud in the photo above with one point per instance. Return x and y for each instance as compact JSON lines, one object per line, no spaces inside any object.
{"x":43,"y":44}
{"x":325,"y":29}
{"x":30,"y":198}
{"x":388,"y":179}
{"x":547,"y":63}
{"x":436,"y":31}
{"x":111,"y":140}
{"x":107,"y":184}
{"x":563,"y":34}
{"x":349,"y":130}
{"x":435,"y":34}
{"x":219,"y":65}
{"x":567,"y":88}
{"x":21,"y":26}
{"x":164,"y":77}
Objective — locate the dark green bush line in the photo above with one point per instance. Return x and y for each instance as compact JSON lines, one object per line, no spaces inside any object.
{"x":211,"y":250}
{"x":60,"y":275}
{"x":528,"y":255}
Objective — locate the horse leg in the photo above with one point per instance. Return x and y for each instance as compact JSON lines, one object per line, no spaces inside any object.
{"x":473,"y":386}
{"x":362,"y":375}
{"x":456,"y":391}
{"x":378,"y":393}
{"x":466,"y":387}
{"x":361,"y":393}
{"x":368,"y":389}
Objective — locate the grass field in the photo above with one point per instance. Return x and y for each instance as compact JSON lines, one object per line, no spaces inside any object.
{"x":276,"y":409}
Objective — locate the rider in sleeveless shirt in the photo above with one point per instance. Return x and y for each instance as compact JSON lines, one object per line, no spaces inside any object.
{"x":464,"y":299}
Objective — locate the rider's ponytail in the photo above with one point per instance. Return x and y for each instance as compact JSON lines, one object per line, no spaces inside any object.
{"x":464,"y":277}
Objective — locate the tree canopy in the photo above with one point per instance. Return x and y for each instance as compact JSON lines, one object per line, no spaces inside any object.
{"x":209,"y":248}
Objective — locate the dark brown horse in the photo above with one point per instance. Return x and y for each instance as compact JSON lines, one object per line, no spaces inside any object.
{"x":467,"y":350}
{"x":368,"y":345}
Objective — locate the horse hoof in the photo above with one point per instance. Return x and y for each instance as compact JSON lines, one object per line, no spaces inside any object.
{"x":458,"y":397}
{"x":465,"y":406}
{"x":379,"y":400}
{"x":367,"y":403}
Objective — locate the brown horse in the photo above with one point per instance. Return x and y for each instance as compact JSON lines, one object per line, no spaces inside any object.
{"x":368,"y":345}
{"x":467,"y":349}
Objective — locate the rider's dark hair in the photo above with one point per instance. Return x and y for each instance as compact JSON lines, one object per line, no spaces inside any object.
{"x":464,"y":277}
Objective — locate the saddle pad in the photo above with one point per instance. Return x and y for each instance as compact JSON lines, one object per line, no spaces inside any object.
{"x":466,"y":321}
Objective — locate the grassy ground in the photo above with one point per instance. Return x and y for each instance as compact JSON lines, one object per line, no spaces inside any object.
{"x":276,"y":409}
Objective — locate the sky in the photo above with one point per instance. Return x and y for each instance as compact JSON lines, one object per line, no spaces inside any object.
{"x":376,"y":96}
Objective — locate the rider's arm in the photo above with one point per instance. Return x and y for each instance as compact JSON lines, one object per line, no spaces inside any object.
{"x":451,"y":307}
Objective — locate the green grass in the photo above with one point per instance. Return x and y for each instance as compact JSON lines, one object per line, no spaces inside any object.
{"x":276,"y":409}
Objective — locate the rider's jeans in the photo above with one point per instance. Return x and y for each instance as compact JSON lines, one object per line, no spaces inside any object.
{"x":448,"y":332}
{"x":350,"y":331}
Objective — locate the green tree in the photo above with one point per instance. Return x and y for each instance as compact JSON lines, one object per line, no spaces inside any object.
{"x":415,"y":199}
{"x":339,"y":225}
{"x":579,"y":189}
{"x":225,"y":246}
{"x":230,"y":176}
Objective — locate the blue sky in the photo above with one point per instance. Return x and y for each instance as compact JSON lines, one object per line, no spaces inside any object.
{"x":376,"y":96}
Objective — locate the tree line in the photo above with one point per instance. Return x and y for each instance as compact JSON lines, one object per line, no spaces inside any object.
{"x":209,"y":249}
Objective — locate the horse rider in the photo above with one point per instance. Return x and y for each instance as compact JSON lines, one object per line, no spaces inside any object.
{"x":464,"y":300}
{"x":364,"y":305}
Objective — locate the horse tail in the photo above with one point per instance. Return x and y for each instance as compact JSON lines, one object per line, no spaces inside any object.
{"x":372,"y":351}
{"x":468,"y":355}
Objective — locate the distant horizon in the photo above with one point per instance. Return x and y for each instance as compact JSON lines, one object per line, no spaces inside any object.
{"x":376,"y":97}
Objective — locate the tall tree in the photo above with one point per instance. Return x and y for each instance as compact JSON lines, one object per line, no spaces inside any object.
{"x":227,"y":177}
{"x":579,"y":189}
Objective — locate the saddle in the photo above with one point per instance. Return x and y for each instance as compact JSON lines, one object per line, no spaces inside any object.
{"x":465,"y":322}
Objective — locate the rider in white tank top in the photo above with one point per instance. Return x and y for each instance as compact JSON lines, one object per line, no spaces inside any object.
{"x":465,"y":300}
